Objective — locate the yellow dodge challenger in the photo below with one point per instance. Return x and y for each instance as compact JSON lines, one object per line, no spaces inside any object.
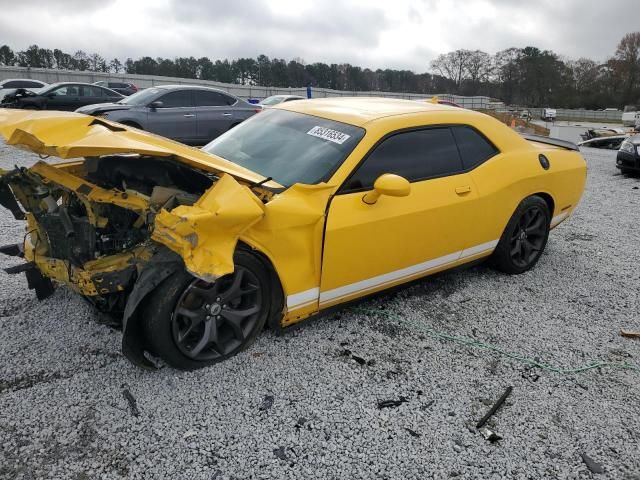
{"x":303,"y":207}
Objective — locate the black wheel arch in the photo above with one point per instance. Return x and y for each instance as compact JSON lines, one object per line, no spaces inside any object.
{"x":548,"y":200}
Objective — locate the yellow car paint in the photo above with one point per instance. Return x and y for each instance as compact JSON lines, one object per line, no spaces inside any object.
{"x":325,"y":247}
{"x":205,"y":234}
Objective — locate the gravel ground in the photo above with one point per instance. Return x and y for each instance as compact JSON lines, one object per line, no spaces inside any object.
{"x":305,"y":405}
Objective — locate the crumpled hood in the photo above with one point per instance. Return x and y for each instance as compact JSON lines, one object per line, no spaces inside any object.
{"x":75,"y":135}
{"x":102,"y":108}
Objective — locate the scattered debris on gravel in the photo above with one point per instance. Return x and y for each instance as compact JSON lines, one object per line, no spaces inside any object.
{"x":292,"y":406}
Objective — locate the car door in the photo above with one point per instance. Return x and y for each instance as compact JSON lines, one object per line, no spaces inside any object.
{"x":396,"y":239}
{"x":63,"y":98}
{"x":214,"y":114}
{"x":175,"y":118}
{"x":108,"y":95}
{"x":90,"y":95}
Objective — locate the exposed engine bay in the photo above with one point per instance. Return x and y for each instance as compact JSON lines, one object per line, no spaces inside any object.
{"x":90,"y":223}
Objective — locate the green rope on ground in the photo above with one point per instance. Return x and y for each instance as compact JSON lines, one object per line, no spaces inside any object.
{"x":485,"y":346}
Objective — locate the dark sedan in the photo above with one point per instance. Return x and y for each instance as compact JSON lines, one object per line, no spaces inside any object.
{"x":628,"y":159}
{"x":60,"y":96}
{"x":187,"y":113}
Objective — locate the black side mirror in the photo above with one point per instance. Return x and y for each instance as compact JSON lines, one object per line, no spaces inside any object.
{"x":156,"y":104}
{"x":51,"y":95}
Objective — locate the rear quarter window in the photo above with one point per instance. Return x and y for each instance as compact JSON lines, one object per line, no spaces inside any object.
{"x":473,"y":146}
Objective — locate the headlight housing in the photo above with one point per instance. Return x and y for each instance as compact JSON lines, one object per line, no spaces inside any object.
{"x":628,"y":147}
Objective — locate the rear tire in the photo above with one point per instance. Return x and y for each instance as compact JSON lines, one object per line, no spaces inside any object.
{"x":192,"y":324}
{"x":524,"y":238}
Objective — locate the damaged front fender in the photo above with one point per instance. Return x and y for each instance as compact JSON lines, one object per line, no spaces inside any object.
{"x":205,"y":234}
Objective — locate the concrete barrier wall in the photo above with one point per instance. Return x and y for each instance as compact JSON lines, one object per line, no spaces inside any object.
{"x":242,"y":91}
{"x":580,"y":115}
{"x":260,"y":92}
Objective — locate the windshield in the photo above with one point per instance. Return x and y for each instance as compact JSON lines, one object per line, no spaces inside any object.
{"x":273,"y":100}
{"x":287,"y":146}
{"x":143,"y":97}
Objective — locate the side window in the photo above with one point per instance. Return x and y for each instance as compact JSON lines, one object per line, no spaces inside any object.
{"x":181,"y":98}
{"x":204,"y":98}
{"x":86,"y":91}
{"x":66,"y":91}
{"x":415,"y":155}
{"x":474,"y":147}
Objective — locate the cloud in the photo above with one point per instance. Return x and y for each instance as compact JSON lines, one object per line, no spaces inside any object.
{"x":404,"y":34}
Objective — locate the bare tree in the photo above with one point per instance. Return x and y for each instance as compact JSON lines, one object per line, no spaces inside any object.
{"x":453,"y":65}
{"x":479,"y":66}
{"x":627,"y":63}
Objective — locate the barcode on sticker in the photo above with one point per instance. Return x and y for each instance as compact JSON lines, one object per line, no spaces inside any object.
{"x":328,"y":134}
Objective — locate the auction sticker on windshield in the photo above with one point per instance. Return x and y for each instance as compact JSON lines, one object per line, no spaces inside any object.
{"x":328,"y":134}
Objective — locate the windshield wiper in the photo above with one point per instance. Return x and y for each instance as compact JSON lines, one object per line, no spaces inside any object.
{"x":261,"y":182}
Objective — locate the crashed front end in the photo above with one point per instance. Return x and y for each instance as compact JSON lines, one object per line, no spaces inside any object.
{"x":112,"y":226}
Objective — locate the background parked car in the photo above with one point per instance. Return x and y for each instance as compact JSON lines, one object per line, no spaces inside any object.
{"x":11,"y":84}
{"x":60,"y":96}
{"x":186,"y":113}
{"x":630,"y":115}
{"x":628,"y":159}
{"x":122,"y":88}
{"x":276,"y":99}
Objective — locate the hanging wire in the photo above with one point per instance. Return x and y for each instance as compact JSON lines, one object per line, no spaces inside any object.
{"x":469,"y":342}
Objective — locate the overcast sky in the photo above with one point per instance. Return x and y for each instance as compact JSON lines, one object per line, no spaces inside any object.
{"x":369,"y":33}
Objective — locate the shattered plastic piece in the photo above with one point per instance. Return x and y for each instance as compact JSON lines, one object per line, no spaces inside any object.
{"x":629,"y":333}
{"x":591,"y":464}
{"x":300,"y":423}
{"x":490,"y":435}
{"x":280,"y":453}
{"x":392,"y":403}
{"x":413,"y":433}
{"x":267,"y":403}
{"x":360,"y":360}
{"x":133,"y":404}
{"x":495,"y":407}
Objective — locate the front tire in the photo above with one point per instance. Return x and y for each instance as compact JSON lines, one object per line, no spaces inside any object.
{"x":192,"y":324}
{"x":524,"y":238}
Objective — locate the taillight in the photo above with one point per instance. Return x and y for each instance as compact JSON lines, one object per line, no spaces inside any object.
{"x":135,"y":89}
{"x":258,"y":110}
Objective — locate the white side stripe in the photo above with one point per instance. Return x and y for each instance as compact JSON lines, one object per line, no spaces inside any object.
{"x":558,"y":218}
{"x":301,"y":299}
{"x":469,"y":252}
{"x":388,"y":277}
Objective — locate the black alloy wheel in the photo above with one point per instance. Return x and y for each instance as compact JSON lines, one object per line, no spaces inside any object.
{"x":529,"y":237}
{"x":524,"y":238}
{"x":191,"y":323}
{"x":211,"y":320}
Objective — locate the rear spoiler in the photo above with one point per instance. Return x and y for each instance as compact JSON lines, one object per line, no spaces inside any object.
{"x":556,"y":142}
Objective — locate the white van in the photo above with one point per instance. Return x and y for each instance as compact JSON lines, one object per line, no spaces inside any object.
{"x":549,"y":114}
{"x":630,"y":115}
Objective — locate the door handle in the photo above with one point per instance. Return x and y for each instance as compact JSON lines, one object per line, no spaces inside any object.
{"x":227,"y":114}
{"x":188,"y":115}
{"x":463,"y":189}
